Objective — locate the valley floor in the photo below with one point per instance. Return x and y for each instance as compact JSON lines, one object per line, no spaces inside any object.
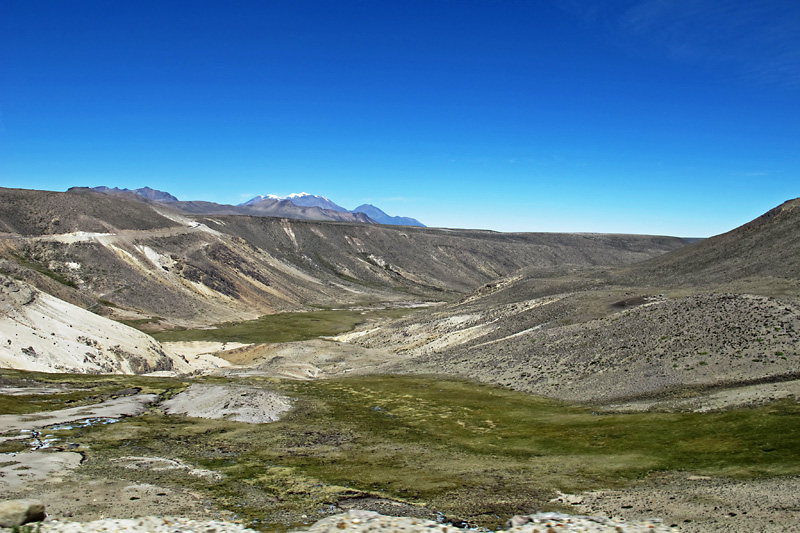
{"x":74,"y":480}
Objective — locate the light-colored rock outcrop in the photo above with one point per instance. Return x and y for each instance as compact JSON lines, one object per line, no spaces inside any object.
{"x":18,"y":512}
{"x":238,"y":403}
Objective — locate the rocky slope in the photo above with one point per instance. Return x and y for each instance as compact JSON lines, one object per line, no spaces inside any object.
{"x":42,"y":333}
{"x":671,"y":324}
{"x":761,"y":255}
{"x":26,"y":212}
{"x":664,"y":344}
{"x":357,"y":520}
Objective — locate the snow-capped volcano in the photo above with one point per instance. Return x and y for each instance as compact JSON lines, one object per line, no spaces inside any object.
{"x":304,"y":199}
{"x":261,"y":197}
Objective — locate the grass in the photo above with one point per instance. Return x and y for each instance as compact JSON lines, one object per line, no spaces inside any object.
{"x":280,"y":327}
{"x":55,"y":276}
{"x":142,"y":324}
{"x":470,"y":451}
{"x":74,"y":390}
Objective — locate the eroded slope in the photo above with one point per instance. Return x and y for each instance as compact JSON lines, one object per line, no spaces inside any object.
{"x":672,"y":325}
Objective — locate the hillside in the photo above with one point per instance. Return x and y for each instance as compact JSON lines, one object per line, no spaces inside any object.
{"x":763,"y":252}
{"x":623,"y":323}
{"x":42,"y":333}
{"x":655,"y":328}
{"x":199,"y":270}
{"x":28,"y":213}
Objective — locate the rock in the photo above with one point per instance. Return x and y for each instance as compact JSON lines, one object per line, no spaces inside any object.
{"x":18,"y":512}
{"x":518,"y":521}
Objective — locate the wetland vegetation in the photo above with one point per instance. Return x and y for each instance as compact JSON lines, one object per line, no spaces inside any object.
{"x":472,"y":452}
{"x":280,"y":327}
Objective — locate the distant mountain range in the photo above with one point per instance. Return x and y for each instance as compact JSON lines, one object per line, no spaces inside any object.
{"x":382,"y":218}
{"x":297,"y":205}
{"x":305,"y":199}
{"x":144,"y":192}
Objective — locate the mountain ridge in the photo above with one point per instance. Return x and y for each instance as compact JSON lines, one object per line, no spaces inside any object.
{"x":302,"y":206}
{"x":144,"y":192}
{"x":305,"y":199}
{"x":379,"y":216}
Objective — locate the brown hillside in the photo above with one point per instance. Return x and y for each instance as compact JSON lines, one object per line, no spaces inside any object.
{"x":767,"y":247}
{"x":207,"y":269}
{"x":27,"y":212}
{"x":720,"y":313}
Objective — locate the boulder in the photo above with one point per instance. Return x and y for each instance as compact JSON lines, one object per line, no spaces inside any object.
{"x":14,"y":513}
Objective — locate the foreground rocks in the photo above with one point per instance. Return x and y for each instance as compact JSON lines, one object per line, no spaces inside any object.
{"x":541,"y":522}
{"x":18,"y":512}
{"x":357,"y":520}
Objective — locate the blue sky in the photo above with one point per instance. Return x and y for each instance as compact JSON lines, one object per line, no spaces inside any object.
{"x":630,"y":116}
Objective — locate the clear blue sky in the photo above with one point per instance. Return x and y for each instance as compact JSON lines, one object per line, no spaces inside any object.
{"x":639,"y":116}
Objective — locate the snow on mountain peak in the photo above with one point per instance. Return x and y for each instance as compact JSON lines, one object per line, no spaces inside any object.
{"x":304,"y":199}
{"x":304,"y":195}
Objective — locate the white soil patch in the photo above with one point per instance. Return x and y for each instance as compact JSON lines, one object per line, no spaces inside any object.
{"x":241,"y":404}
{"x":114,"y":408}
{"x":202,"y":355}
{"x":192,"y":348}
{"x":160,"y":464}
{"x":347,"y":337}
{"x":17,"y":470}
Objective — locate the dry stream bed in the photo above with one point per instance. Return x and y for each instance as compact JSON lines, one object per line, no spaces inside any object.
{"x":419,"y":446}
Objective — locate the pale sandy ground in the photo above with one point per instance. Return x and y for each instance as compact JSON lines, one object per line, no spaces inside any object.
{"x":238,"y":403}
{"x":312,"y":359}
{"x":42,"y":333}
{"x":19,"y":470}
{"x":202,"y":356}
{"x":193,"y":348}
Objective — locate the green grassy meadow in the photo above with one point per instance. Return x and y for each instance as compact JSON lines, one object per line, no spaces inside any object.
{"x":280,"y":327}
{"x":474,"y":452}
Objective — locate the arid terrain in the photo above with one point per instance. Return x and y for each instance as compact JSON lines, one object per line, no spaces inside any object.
{"x":334,"y":339}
